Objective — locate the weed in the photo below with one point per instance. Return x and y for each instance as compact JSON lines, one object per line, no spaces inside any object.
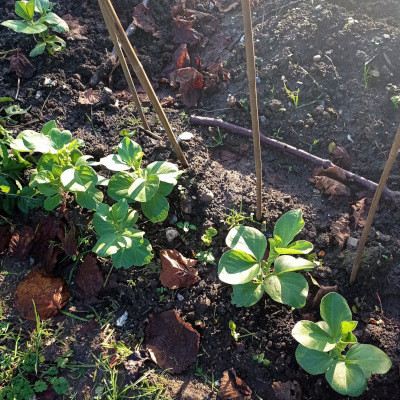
{"x":186,"y":226}
{"x":366,"y":74}
{"x":395,"y":101}
{"x":294,"y":96}
{"x":261,"y":359}
{"x":184,"y":117}
{"x":207,"y":237}
{"x":218,"y":139}
{"x":206,"y":255}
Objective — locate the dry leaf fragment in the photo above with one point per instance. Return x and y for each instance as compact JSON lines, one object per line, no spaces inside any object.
{"x":341,"y":157}
{"x":233,"y":388}
{"x":49,"y":295}
{"x":172,"y":343}
{"x":359,"y":213}
{"x":176,"y":270}
{"x":334,"y":173}
{"x":226,"y":5}
{"x":331,"y":186}
{"x":90,"y":279}
{"x":191,"y":85}
{"x":184,"y":32}
{"x":70,"y":244}
{"x":21,"y":65}
{"x":143,"y":19}
{"x":21,"y":242}
{"x":89,"y":97}
{"x":341,"y":230}
{"x":286,"y":391}
{"x":322,"y":291}
{"x":5,"y":236}
{"x":76,"y":30}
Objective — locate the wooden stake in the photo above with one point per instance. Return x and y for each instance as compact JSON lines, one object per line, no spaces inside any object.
{"x":385,"y":174}
{"x":137,"y":67}
{"x":251,"y":74}
{"x":124,"y":65}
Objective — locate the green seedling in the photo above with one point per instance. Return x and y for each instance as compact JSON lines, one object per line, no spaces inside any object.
{"x":322,"y":346}
{"x":207,"y":237}
{"x":184,"y":117}
{"x":118,"y":239}
{"x":218,"y":139}
{"x":366,"y":75}
{"x":244,"y":266}
{"x":232,"y":327}
{"x":244,"y":103}
{"x":38,"y":19}
{"x":206,"y":255}
{"x":149,"y":186}
{"x":294,"y":96}
{"x":395,"y":101}
{"x":186,"y":226}
{"x":7,"y":114}
{"x":234,"y":217}
{"x":62,"y":168}
{"x":162,"y":291}
{"x":260,"y":358}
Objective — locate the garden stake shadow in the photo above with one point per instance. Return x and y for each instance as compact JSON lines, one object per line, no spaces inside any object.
{"x":385,"y":174}
{"x":251,"y":75}
{"x":107,"y":9}
{"x":124,"y":65}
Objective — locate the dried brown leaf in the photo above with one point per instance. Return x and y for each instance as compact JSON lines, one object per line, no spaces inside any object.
{"x":70,"y":244}
{"x":322,"y":291}
{"x":359,"y":213}
{"x":226,"y":5}
{"x":172,"y":343}
{"x":331,"y":186}
{"x":76,"y":30}
{"x":191,"y":85}
{"x":341,"y":230}
{"x":5,"y":236}
{"x":143,"y":19}
{"x":286,"y":391}
{"x":50,"y":258}
{"x":49,"y":295}
{"x":233,"y":388}
{"x":89,"y":97}
{"x":21,"y":242}
{"x":184,"y":32}
{"x":90,"y":279}
{"x":21,"y":65}
{"x":176,"y":270}
{"x":341,"y":157}
{"x":335,"y":173}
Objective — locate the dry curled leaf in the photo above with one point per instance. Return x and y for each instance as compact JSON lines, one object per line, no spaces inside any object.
{"x":322,"y":291}
{"x":21,"y":65}
{"x":286,"y":391}
{"x":341,"y":157}
{"x":341,"y":230}
{"x":21,"y":242}
{"x":331,"y":186}
{"x":90,"y":279}
{"x":191,"y":85}
{"x":233,"y":388}
{"x":172,"y":343}
{"x":49,"y":295}
{"x":76,"y":30}
{"x":89,"y":97}
{"x":226,"y":5}
{"x":184,"y":32}
{"x":143,"y":19}
{"x":359,"y":213}
{"x":70,"y":244}
{"x":49,"y":260}
{"x":176,"y":270}
{"x":5,"y":236}
{"x":334,"y":173}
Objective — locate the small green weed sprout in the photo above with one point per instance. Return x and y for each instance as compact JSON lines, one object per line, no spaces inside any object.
{"x":207,"y":237}
{"x":218,"y":139}
{"x":8,"y":113}
{"x":250,"y":275}
{"x":322,"y":345}
{"x":366,"y":74}
{"x":186,"y":226}
{"x":260,"y":358}
{"x":395,"y":101}
{"x":232,"y":327}
{"x":234,"y":218}
{"x":28,"y":10}
{"x":294,"y":96}
{"x":206,"y":255}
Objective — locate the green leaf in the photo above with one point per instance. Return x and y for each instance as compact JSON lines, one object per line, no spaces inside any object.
{"x":15,"y":25}
{"x":348,"y":326}
{"x":47,"y":161}
{"x":284,"y":264}
{"x":113,"y":162}
{"x":57,"y":23}
{"x":166,"y":171}
{"x":247,"y":294}
{"x":133,"y":256}
{"x":165,"y":188}
{"x":40,"y":386}
{"x":346,"y":379}
{"x":288,"y":288}
{"x":25,"y":10}
{"x":299,"y":247}
{"x":32,"y":141}
{"x":4,"y":185}
{"x":288,"y":226}
{"x":247,"y":239}
{"x":48,"y":126}
{"x":312,"y":361}
{"x":38,"y":49}
{"x":56,"y":44}
{"x":42,"y":6}
{"x":237,"y":267}
{"x":60,"y":385}
{"x":60,"y":138}
{"x":89,"y":199}
{"x":52,"y":202}
{"x":334,"y":310}
{"x":34,"y":29}
{"x":313,"y":337}
{"x":156,"y":209}
{"x":111,"y":243}
{"x":130,"y":153}
{"x":79,"y":179}
{"x":369,"y":357}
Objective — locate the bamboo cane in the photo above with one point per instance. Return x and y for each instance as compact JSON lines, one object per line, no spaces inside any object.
{"x":137,"y":67}
{"x":385,"y":174}
{"x":251,"y":74}
{"x":125,"y":68}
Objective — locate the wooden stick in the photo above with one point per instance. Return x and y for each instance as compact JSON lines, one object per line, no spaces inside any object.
{"x":368,"y":223}
{"x":251,"y":75}
{"x":143,"y":79}
{"x":125,"y":68}
{"x":276,"y":144}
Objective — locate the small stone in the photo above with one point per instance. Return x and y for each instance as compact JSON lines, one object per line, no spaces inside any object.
{"x":171,"y":234}
{"x":38,"y":94}
{"x":180,"y":297}
{"x":207,"y":197}
{"x":49,"y":82}
{"x":231,"y":101}
{"x":121,"y":321}
{"x":107,"y":90}
{"x":263,"y":119}
{"x":317,"y":58}
{"x":352,"y":243}
{"x":185,"y":137}
{"x":173,"y":220}
{"x":258,"y":80}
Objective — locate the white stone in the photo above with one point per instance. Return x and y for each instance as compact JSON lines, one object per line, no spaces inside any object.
{"x":185,"y":136}
{"x":171,"y":234}
{"x":317,"y":58}
{"x":180,"y":297}
{"x":121,"y":321}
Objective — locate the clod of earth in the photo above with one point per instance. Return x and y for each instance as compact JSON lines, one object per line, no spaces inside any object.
{"x":134,"y":362}
{"x":89,"y":97}
{"x":233,"y":388}
{"x":44,"y":293}
{"x":286,"y":391}
{"x":21,"y":242}
{"x":176,"y":270}
{"x":172,"y":343}
{"x":341,"y":230}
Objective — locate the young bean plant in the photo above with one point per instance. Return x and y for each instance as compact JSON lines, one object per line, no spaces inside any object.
{"x":149,"y":186}
{"x":38,"y":19}
{"x":62,"y":168}
{"x":323,"y":345}
{"x":245,"y":268}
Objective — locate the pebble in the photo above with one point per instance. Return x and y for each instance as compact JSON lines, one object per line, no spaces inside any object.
{"x":207,"y":197}
{"x":185,"y":137}
{"x":352,"y":243}
{"x":180,"y":297}
{"x":263,"y":119}
{"x":49,"y":82}
{"x":171,"y":234}
{"x":38,"y":94}
{"x":121,"y":321}
{"x":173,"y":220}
{"x":317,"y":58}
{"x":258,"y":80}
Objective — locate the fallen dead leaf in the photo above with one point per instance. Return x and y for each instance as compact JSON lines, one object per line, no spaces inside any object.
{"x":286,"y":391}
{"x":176,"y":270}
{"x":49,"y":295}
{"x":181,"y":58}
{"x":359,"y":213}
{"x":341,"y":157}
{"x":21,"y":242}
{"x":89,"y":97}
{"x":50,"y":258}
{"x":143,"y":19}
{"x":233,"y":388}
{"x":341,"y":230}
{"x":76,"y":30}
{"x":70,"y":244}
{"x":134,"y":362}
{"x":184,"y":32}
{"x":90,"y":279}
{"x":331,"y":186}
{"x":5,"y":236}
{"x":172,"y":343}
{"x":334,"y":173}
{"x":167,"y":101}
{"x":322,"y":291}
{"x":21,"y":65}
{"x":226,"y":5}
{"x":191,"y":85}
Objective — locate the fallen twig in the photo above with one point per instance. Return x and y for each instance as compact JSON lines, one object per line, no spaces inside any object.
{"x":196,"y":120}
{"x":149,"y":133}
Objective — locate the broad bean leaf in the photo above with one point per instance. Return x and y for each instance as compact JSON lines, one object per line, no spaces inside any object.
{"x":166,"y":171}
{"x":312,"y":336}
{"x":54,"y":21}
{"x":37,"y":142}
{"x":38,"y":49}
{"x":42,"y":6}
{"x":130,"y":153}
{"x":312,"y":361}
{"x":284,"y":264}
{"x":299,"y":247}
{"x":25,"y":10}
{"x":113,"y":162}
{"x":288,"y":226}
{"x":89,"y":199}
{"x":247,"y":294}
{"x":79,"y":179}
{"x":369,"y":357}
{"x":156,"y":209}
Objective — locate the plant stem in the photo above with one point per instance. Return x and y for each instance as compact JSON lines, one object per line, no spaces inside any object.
{"x":251,"y":74}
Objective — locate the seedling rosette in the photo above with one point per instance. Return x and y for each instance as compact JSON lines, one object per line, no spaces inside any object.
{"x":244,"y":266}
{"x":322,"y":346}
{"x":148,"y":186}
